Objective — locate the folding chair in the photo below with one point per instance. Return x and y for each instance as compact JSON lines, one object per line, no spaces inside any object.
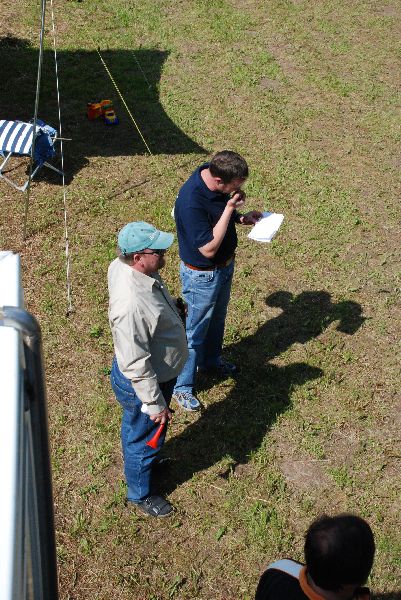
{"x":16,"y":139}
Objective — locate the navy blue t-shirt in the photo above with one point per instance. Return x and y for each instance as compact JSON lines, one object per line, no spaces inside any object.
{"x":197,"y":210}
{"x":277,"y":585}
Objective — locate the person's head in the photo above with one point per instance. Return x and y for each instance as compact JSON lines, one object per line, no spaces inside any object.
{"x":339,"y":553}
{"x":229,"y":171}
{"x":142,"y":246}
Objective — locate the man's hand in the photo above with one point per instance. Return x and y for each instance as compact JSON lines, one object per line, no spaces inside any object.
{"x":251,"y":217}
{"x":237,"y":199}
{"x":162,"y":417}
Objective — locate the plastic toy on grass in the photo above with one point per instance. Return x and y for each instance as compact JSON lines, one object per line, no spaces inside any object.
{"x":110,"y":117}
{"x":106,"y":105}
{"x":103,"y":109}
{"x":93,"y":110}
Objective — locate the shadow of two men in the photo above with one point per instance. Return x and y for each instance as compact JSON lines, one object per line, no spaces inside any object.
{"x":235,"y":427}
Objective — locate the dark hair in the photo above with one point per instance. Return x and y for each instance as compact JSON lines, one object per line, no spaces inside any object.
{"x":228,"y":165}
{"x":125,"y":258}
{"x":339,"y":551}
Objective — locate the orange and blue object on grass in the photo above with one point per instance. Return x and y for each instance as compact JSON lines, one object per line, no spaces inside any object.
{"x":93,"y":110}
{"x":104,"y":109}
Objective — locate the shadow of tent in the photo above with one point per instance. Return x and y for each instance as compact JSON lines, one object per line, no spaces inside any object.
{"x":83,"y":79}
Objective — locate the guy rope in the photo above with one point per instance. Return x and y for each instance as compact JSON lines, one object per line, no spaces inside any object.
{"x":35,"y":119}
{"x":67,"y":255}
{"x":112,"y":79}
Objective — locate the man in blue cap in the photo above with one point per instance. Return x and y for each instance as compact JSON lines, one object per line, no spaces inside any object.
{"x":150,"y":351}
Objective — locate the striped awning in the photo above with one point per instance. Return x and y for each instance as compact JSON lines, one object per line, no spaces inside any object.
{"x":16,"y":137}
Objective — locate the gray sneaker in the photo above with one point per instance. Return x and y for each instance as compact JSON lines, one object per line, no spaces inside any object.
{"x":156,"y":506}
{"x":187,"y":401}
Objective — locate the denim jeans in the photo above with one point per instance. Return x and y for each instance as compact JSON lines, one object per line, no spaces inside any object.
{"x":136,"y":429}
{"x":207,"y":294}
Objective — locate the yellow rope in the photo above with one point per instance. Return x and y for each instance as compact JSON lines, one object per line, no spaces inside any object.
{"x":124,"y":102}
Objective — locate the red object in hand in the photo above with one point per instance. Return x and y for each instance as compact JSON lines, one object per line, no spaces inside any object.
{"x":153,"y":442}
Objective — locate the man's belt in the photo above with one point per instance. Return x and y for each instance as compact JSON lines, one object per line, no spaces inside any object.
{"x":212,"y":267}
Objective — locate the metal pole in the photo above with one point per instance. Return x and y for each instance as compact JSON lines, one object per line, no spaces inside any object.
{"x":35,"y":118}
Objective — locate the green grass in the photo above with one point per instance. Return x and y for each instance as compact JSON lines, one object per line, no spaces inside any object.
{"x":309,"y":94}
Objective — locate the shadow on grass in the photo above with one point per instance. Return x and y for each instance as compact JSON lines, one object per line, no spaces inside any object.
{"x":236,"y":426}
{"x":388,"y":596}
{"x":83,"y":79}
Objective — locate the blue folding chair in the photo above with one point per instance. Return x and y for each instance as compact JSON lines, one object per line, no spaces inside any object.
{"x":16,"y":139}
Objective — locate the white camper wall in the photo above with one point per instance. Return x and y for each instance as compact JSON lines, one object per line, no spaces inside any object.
{"x":11,"y":377}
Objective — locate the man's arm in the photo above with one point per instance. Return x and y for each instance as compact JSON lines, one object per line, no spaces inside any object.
{"x":131,"y":333}
{"x":210,"y":249}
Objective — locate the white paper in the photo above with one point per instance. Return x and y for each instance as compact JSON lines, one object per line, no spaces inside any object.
{"x":265,"y":229}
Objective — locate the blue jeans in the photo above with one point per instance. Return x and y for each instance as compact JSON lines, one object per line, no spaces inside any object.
{"x":207,"y":294}
{"x":136,"y":429}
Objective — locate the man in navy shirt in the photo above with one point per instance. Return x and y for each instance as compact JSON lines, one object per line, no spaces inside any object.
{"x":205,"y":214}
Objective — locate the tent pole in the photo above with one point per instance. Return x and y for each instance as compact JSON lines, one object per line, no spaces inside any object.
{"x":35,"y":118}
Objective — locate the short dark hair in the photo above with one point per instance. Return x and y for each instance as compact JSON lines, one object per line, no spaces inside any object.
{"x":339,"y":551}
{"x":228,"y":165}
{"x":125,"y":258}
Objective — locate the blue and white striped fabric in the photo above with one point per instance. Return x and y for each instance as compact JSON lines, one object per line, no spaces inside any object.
{"x":16,"y":137}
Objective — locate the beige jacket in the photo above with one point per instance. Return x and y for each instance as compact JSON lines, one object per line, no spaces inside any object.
{"x":148,"y":334}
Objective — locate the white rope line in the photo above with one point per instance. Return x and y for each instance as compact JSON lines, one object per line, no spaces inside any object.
{"x":141,"y":70}
{"x":35,"y":118}
{"x":67,"y":252}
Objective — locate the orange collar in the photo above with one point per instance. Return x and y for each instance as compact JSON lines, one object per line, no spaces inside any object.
{"x":306,"y":588}
{"x":363,"y":593}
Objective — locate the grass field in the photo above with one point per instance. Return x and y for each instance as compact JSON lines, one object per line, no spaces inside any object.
{"x":309,"y":93}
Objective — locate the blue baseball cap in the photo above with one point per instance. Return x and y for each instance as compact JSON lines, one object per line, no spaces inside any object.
{"x":139,"y":235}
